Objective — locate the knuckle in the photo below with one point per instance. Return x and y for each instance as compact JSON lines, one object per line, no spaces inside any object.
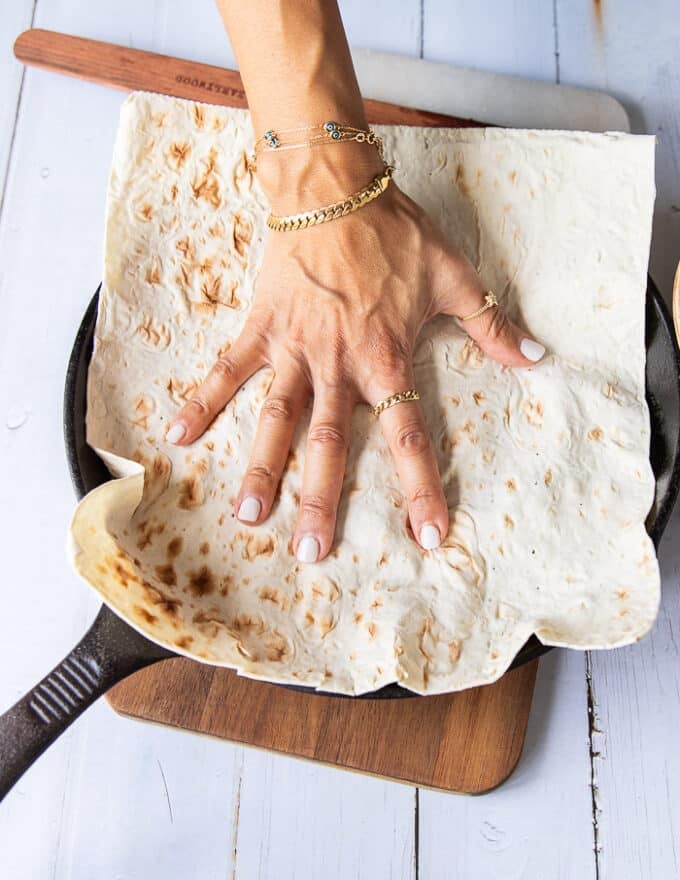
{"x":198,"y":405}
{"x":389,"y":354}
{"x":225,"y":368}
{"x":317,"y":507}
{"x":259,"y":471}
{"x":412,"y":439}
{"x":424,"y":494}
{"x":277,"y":407}
{"x":328,"y":436}
{"x":495,"y":322}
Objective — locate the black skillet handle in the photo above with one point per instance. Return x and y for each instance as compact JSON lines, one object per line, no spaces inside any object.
{"x":109,"y":652}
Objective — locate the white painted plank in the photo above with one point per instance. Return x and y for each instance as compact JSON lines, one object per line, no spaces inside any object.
{"x":538,"y":823}
{"x":383,"y":24}
{"x":503,"y":36}
{"x":631,"y":51}
{"x":14,"y":18}
{"x":314,"y":821}
{"x":637,"y":771}
{"x":145,"y":802}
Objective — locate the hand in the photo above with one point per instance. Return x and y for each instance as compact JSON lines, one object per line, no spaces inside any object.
{"x":336,"y":312}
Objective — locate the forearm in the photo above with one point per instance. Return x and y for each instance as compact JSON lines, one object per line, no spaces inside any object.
{"x":297,"y":70}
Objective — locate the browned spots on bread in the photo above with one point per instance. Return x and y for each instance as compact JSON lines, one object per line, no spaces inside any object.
{"x":174,"y":547}
{"x":147,"y":531}
{"x":166,"y":574}
{"x":242,"y":233}
{"x":191,"y":492}
{"x":372,"y":630}
{"x":145,"y":615}
{"x":145,"y":212}
{"x":275,"y":596}
{"x":596,"y":434}
{"x":511,"y":485}
{"x":143,"y":408}
{"x":454,"y":651}
{"x":204,"y":548}
{"x":154,"y":335}
{"x":201,"y":582}
{"x":533,"y":412}
{"x":488,"y":455}
{"x":207,"y":186}
{"x":478,"y":397}
{"x":254,"y":545}
{"x":198,"y":114}
{"x":178,"y":153}
{"x":548,"y":477}
{"x":243,"y":173}
{"x":277,"y":648}
{"x":509,"y":521}
{"x":184,"y":643}
{"x":164,"y":603}
{"x":470,"y":353}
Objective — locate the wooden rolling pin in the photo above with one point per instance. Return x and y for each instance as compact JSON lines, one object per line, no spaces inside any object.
{"x":130,"y":69}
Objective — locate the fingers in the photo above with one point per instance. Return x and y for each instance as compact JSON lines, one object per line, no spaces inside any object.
{"x":462,"y":294}
{"x":278,"y":418}
{"x":324,"y":471}
{"x":227,"y":375}
{"x":409,"y":440}
{"x":501,"y":339}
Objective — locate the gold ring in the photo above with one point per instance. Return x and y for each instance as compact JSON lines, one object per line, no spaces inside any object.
{"x":489,"y":302}
{"x":393,"y":399}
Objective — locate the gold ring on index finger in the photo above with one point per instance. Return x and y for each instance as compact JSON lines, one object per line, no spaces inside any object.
{"x":393,"y":399}
{"x":490,"y":302}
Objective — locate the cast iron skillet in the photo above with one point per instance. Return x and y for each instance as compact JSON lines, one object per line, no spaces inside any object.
{"x":111,"y":650}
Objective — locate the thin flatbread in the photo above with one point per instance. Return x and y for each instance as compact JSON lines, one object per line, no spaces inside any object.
{"x":546,"y":470}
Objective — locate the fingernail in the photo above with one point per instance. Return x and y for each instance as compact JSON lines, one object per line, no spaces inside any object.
{"x":176,"y":433}
{"x":429,"y":537}
{"x":249,"y":509}
{"x":308,"y":549}
{"x":531,"y":349}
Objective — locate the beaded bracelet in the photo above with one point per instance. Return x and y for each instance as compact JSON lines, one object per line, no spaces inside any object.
{"x":330,"y":132}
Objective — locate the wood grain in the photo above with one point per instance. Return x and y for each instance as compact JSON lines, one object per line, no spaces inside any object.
{"x":128,"y":69}
{"x":465,"y":742}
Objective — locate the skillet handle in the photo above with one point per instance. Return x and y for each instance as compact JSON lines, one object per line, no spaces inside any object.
{"x":109,"y":652}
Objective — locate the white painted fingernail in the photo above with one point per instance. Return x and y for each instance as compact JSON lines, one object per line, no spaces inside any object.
{"x":308,"y":549}
{"x":531,"y":349}
{"x":249,"y":509}
{"x":176,"y":433}
{"x":429,"y":537}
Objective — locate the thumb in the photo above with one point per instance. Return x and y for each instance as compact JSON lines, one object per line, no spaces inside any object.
{"x":486,"y":321}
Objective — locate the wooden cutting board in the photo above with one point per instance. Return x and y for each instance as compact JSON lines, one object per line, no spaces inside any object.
{"x":464,"y":742}
{"x":467,"y":742}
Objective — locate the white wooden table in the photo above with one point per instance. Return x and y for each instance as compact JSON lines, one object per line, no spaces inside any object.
{"x":597,"y":792}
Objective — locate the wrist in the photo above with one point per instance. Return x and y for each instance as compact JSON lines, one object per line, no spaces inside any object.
{"x":309,"y":177}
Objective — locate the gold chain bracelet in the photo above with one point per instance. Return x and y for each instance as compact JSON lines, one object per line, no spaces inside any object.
{"x":357,"y":200}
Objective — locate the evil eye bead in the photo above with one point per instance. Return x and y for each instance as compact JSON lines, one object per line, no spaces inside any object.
{"x":268,"y":134}
{"x":330,"y":126}
{"x":336,"y":135}
{"x":273,"y":142}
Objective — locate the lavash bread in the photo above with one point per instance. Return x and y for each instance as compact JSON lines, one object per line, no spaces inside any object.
{"x":545,"y":469}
